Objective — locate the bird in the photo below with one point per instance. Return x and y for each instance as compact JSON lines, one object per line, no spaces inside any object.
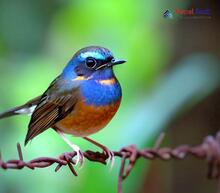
{"x":80,"y":101}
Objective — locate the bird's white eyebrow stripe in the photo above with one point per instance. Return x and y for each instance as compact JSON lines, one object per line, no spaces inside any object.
{"x":92,"y":54}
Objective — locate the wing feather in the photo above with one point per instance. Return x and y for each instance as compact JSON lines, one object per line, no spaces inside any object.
{"x":53,"y":106}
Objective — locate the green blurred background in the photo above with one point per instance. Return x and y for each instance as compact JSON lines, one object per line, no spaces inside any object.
{"x":170,"y":83}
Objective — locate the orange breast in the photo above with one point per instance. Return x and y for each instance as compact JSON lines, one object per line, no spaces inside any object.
{"x":86,"y":120}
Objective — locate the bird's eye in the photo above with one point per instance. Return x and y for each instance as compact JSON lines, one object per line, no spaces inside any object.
{"x":91,"y":62}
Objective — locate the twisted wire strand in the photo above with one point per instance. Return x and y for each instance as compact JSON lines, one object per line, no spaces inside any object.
{"x":208,"y":150}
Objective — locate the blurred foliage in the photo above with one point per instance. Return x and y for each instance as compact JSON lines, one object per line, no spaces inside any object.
{"x":37,"y":38}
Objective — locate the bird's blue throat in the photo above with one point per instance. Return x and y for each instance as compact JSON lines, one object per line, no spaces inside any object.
{"x":98,"y":94}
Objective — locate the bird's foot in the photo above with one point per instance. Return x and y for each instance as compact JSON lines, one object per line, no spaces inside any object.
{"x":79,"y":154}
{"x":109,"y":154}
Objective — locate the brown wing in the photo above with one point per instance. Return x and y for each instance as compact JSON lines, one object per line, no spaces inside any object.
{"x":55,"y":104}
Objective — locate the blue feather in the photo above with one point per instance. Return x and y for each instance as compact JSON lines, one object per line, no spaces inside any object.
{"x":97,"y":94}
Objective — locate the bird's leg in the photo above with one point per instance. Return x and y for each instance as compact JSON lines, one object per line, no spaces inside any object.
{"x":79,"y":154}
{"x":108,"y":152}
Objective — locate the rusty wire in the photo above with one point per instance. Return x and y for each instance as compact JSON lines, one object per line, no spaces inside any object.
{"x":209,"y":151}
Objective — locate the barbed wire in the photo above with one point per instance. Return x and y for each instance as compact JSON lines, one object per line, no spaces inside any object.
{"x":208,"y":150}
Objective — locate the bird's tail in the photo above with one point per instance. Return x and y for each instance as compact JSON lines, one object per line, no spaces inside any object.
{"x":11,"y":112}
{"x":27,"y":108}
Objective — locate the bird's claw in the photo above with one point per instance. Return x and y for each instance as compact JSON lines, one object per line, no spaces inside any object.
{"x":110,"y":157}
{"x":79,"y":154}
{"x":79,"y":158}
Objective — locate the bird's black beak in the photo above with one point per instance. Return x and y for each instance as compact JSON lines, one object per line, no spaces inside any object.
{"x":112,"y":63}
{"x":117,"y":61}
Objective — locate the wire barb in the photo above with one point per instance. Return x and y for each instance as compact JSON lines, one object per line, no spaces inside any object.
{"x":209,"y":151}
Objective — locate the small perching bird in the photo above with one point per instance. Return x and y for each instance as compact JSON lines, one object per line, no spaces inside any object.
{"x":80,"y":101}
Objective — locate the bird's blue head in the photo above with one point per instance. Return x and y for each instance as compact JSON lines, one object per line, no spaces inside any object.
{"x":91,"y":62}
